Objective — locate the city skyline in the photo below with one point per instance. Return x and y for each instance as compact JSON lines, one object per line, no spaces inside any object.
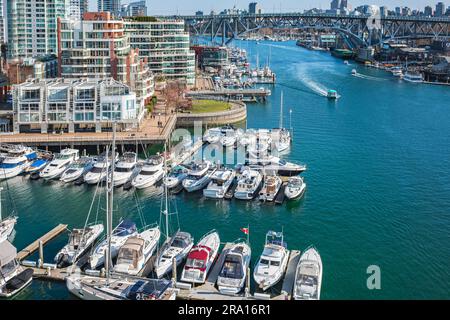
{"x":169,"y":7}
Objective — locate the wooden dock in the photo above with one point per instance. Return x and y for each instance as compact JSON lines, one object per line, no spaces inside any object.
{"x":44,"y":239}
{"x":289,"y":276}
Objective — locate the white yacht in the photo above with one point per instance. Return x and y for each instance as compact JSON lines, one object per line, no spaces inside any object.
{"x":175,"y":177}
{"x":221,"y":181}
{"x":273,"y":261}
{"x":308,"y":276}
{"x":59,"y":164}
{"x":15,"y":160}
{"x":199,"y":176}
{"x":397,"y":72}
{"x":37,"y":166}
{"x":231,"y":279}
{"x":100,"y":169}
{"x":176,"y":247}
{"x":13,"y":277}
{"x":271,"y":187}
{"x":137,"y":250}
{"x":228,"y":137}
{"x":413,"y":77}
{"x":77,"y":169}
{"x":295,"y":188}
{"x":80,"y":240}
{"x":248,"y":184}
{"x":151,"y":172}
{"x":212,"y":135}
{"x":281,"y":139}
{"x":201,"y":258}
{"x":125,"y":168}
{"x":277,"y":165}
{"x":248,"y":138}
{"x":120,"y":234}
{"x":7,"y":224}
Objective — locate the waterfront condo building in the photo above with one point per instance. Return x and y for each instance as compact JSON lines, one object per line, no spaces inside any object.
{"x":73,"y":105}
{"x":112,"y":6}
{"x":166,"y":45}
{"x":97,"y":47}
{"x":32,"y":26}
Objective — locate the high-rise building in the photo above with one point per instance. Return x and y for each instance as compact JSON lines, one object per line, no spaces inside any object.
{"x":384,"y":11}
{"x":344,"y":5}
{"x":254,"y":8}
{"x":97,"y":47}
{"x":134,"y":9}
{"x":32,"y":26}
{"x":428,"y":11}
{"x":166,"y":46}
{"x":440,"y":9}
{"x":398,"y":11}
{"x":334,"y":4}
{"x":112,"y":6}
{"x":3,"y":22}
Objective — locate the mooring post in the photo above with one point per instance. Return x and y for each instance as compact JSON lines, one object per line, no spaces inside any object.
{"x":174,"y":270}
{"x":41,"y":254}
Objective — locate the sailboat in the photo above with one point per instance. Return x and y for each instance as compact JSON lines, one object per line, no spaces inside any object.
{"x":176,"y":247}
{"x":114,"y":286}
{"x":281,"y":136}
{"x":7,"y":224}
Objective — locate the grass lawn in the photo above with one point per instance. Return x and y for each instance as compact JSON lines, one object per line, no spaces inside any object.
{"x":202,"y":106}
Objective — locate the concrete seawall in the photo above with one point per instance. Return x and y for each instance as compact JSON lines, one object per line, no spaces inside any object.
{"x":237,"y":113}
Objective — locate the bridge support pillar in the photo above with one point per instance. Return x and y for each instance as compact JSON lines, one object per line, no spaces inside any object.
{"x":71,"y":127}
{"x":44,"y":127}
{"x":98,"y":127}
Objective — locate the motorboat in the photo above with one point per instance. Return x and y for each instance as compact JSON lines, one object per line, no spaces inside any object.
{"x":281,"y":138}
{"x":6,"y":224}
{"x":13,"y":277}
{"x":37,"y":166}
{"x":228,"y":137}
{"x":413,"y":77}
{"x":99,"y":170}
{"x":151,"y":172}
{"x":176,"y":247}
{"x":271,"y":187}
{"x":15,"y":160}
{"x":212,"y":135}
{"x":137,"y":250}
{"x":277,"y":165}
{"x":248,"y":184}
{"x":125,"y":168}
{"x":332,"y":94}
{"x":248,"y":138}
{"x":124,"y":230}
{"x":199,"y":176}
{"x":231,"y":279}
{"x":397,"y":72}
{"x":77,"y":169}
{"x":221,"y":181}
{"x":354,"y":72}
{"x":295,"y":188}
{"x":201,"y":258}
{"x":260,"y":149}
{"x":308,"y":276}
{"x":80,"y":241}
{"x":175,"y":177}
{"x":59,"y":164}
{"x":273,"y":261}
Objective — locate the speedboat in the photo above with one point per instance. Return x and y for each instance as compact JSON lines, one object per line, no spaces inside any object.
{"x":36,"y":166}
{"x":413,"y":77}
{"x":176,"y":247}
{"x":13,"y":277}
{"x":201,"y":258}
{"x":275,"y":164}
{"x":221,"y":181}
{"x":137,"y":250}
{"x":99,"y":170}
{"x":80,"y":240}
{"x":199,"y":176}
{"x":271,"y":187}
{"x":16,"y":159}
{"x":272,"y":263}
{"x":397,"y":72}
{"x":175,"y":177}
{"x":354,"y":72}
{"x":295,"y":188}
{"x":59,"y":164}
{"x":231,"y":279}
{"x":124,"y":230}
{"x":212,"y":135}
{"x":332,"y":94}
{"x":151,"y":172}
{"x":125,"y":168}
{"x":77,"y":169}
{"x":228,"y":137}
{"x":308,"y":276}
{"x":248,"y":184}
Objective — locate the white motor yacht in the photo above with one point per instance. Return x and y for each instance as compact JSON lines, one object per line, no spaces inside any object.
{"x":151,"y":172}
{"x":413,"y":77}
{"x":59,"y":164}
{"x":199,"y":176}
{"x":212,"y":135}
{"x":220,"y":182}
{"x":99,"y":170}
{"x":77,"y":169}
{"x":175,"y":177}
{"x":277,"y":165}
{"x":6,"y":224}
{"x":16,"y":159}
{"x":248,"y":184}
{"x":271,"y":187}
{"x":308,"y":276}
{"x":125,"y":168}
{"x":295,"y":188}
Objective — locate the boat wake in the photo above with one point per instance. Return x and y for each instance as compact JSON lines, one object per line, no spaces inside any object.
{"x":363,"y":76}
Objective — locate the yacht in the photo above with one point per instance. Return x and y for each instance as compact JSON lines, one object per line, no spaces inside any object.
{"x":231,"y":279}
{"x":77,"y":169}
{"x":15,"y":160}
{"x":308,"y":276}
{"x":175,"y":177}
{"x":201,"y":258}
{"x":151,"y":172}
{"x":271,"y":187}
{"x":176,"y":247}
{"x":281,"y":139}
{"x":7,"y":224}
{"x":248,"y":184}
{"x":275,"y":164}
{"x":80,"y":241}
{"x":100,"y":169}
{"x":413,"y":77}
{"x":228,"y":137}
{"x":273,"y":261}
{"x":124,"y":230}
{"x":221,"y":181}
{"x":354,"y":72}
{"x":37,"y":166}
{"x":248,"y":138}
{"x":397,"y":72}
{"x":295,"y":188}
{"x":125,"y":168}
{"x":199,"y":176}
{"x":137,"y":250}
{"x":212,"y":135}
{"x":59,"y":164}
{"x":332,"y":94}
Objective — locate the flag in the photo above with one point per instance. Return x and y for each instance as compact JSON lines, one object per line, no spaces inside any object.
{"x":244,"y":230}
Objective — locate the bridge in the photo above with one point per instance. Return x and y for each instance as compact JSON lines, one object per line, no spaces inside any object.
{"x":358,"y":27}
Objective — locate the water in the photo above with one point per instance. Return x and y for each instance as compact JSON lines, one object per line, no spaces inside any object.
{"x":378,"y":182}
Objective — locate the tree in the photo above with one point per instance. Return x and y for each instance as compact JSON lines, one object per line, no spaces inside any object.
{"x":174,"y":93}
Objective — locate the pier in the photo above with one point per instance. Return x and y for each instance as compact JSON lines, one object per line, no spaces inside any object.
{"x":232,"y":94}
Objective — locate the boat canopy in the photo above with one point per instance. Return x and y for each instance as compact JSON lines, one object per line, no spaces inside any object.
{"x":232,"y":267}
{"x":126,"y":227}
{"x":7,"y":253}
{"x":148,"y":289}
{"x":199,"y":253}
{"x":310,"y":269}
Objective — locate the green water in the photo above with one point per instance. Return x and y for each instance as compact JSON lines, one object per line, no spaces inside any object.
{"x":378,"y":182}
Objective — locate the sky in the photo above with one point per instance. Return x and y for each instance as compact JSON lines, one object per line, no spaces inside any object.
{"x":169,"y":7}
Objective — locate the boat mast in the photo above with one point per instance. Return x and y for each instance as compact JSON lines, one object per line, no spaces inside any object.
{"x":281,"y":111}
{"x":1,"y":188}
{"x":166,"y":196}
{"x":110,"y":189}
